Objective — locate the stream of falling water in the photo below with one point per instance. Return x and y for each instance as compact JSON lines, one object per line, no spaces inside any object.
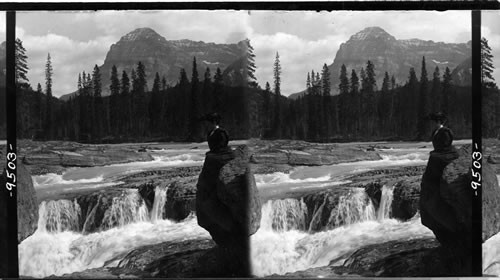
{"x":59,"y":246}
{"x":286,"y":243}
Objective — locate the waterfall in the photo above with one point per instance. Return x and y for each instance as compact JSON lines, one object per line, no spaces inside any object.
{"x":125,"y":209}
{"x":58,"y":216}
{"x":284,"y":215}
{"x":352,"y":208}
{"x":159,"y":204}
{"x":385,"y":206}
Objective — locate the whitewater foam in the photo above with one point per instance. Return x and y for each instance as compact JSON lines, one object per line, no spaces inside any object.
{"x":284,"y":178}
{"x":289,"y":251}
{"x":44,"y":254}
{"x":50,"y":179}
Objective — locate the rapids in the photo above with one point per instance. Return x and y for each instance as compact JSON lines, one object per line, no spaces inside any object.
{"x":58,"y":246}
{"x":61,"y":245}
{"x":289,"y":240}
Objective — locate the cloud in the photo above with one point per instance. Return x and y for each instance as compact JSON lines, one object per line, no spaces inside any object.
{"x":297,"y":57}
{"x":79,"y":40}
{"x":307,"y":40}
{"x":68,"y":57}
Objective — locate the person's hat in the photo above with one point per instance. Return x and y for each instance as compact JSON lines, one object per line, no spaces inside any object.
{"x":438,"y":116}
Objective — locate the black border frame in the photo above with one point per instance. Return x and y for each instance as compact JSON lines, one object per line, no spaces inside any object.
{"x":474,"y":6}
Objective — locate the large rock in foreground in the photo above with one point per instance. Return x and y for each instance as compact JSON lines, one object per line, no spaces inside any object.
{"x":446,"y":203}
{"x":228,"y":207}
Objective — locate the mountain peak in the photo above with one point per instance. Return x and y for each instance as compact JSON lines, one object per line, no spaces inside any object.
{"x":141,"y":34}
{"x":372,"y":32}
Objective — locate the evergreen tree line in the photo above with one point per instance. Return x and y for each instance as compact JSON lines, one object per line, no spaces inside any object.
{"x":132,"y":112}
{"x":362,"y":111}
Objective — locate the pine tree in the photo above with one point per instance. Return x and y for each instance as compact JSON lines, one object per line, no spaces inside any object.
{"x":277,"y":94}
{"x":206,"y":92}
{"x":344,"y":97}
{"x":344,"y":81}
{"x":48,"y":93}
{"x":250,"y":67}
{"x":217,"y":92}
{"x":410,"y":112}
{"x":487,"y":67}
{"x":436,"y":91}
{"x":155,"y":110}
{"x":330,"y":109}
{"x":163,"y":84}
{"x":308,"y":84}
{"x":356,"y":101}
{"x":114,"y":101}
{"x":21,"y":64}
{"x":423,"y":105}
{"x":38,"y":106}
{"x":126,"y":104}
{"x":267,"y":107}
{"x":384,"y":103}
{"x":194,"y":108}
{"x":139,"y":97}
{"x":446,"y":91}
{"x":98,"y":108}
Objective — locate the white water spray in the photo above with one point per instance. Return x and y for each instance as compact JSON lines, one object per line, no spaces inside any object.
{"x":284,"y":215}
{"x":126,"y":209}
{"x":58,"y":216}
{"x":159,"y":204}
{"x":352,"y":208}
{"x":385,"y":206}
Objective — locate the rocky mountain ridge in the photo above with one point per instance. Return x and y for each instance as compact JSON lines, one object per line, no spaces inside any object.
{"x":397,"y":56}
{"x":167,"y":57}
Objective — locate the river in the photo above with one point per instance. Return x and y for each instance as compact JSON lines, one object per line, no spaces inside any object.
{"x":283,"y":243}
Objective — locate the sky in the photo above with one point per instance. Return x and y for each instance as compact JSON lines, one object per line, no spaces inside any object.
{"x":305,"y":40}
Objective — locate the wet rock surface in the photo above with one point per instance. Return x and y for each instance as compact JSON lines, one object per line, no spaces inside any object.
{"x":55,"y":156}
{"x":406,"y":199}
{"x":295,"y":153}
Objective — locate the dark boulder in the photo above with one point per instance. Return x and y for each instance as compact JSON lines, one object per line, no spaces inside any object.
{"x":374,"y":191}
{"x":406,"y":199}
{"x":236,"y":188}
{"x":170,"y":259}
{"x":421,"y":257}
{"x":147,"y":192}
{"x":228,"y":207}
{"x":446,"y":204}
{"x":181,"y":200}
{"x":27,"y":204}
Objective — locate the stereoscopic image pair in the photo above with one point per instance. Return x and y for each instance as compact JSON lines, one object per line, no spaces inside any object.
{"x":256,"y":143}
